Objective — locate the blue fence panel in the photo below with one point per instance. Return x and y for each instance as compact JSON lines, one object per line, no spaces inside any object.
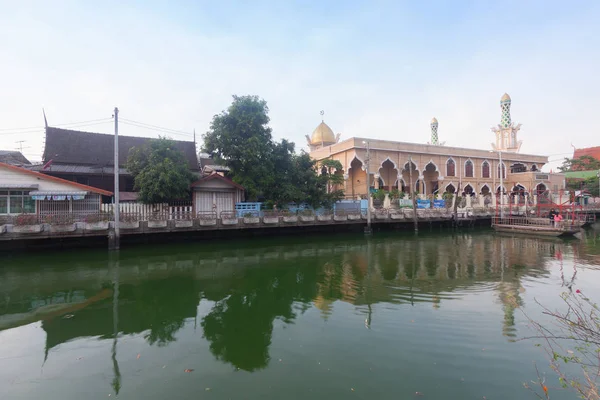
{"x":439,"y":204}
{"x":242,"y":208}
{"x":423,"y":203}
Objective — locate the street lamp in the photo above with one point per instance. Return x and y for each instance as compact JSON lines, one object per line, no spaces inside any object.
{"x":368,"y":160}
{"x":501,"y":168}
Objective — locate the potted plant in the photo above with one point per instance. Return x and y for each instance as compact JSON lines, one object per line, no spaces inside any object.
{"x":289,"y":218}
{"x":157,"y":220}
{"x":381,"y":213}
{"x":325,"y":215}
{"x":307,"y":215}
{"x":207,"y":218}
{"x":395,"y":194}
{"x":3,"y":222}
{"x":251,"y":218}
{"x":61,"y":222}
{"x":27,"y":223}
{"x":271,"y":217}
{"x":229,"y":218}
{"x":97,"y":222}
{"x":129,"y":221}
{"x":378,"y":197}
{"x":183,"y":220}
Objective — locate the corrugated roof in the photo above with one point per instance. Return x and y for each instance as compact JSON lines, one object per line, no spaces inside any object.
{"x":65,"y":146}
{"x":78,"y":169}
{"x":13,"y":157}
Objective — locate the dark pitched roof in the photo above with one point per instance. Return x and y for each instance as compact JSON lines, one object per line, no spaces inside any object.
{"x":13,"y":157}
{"x":65,"y":146}
{"x":217,"y":176}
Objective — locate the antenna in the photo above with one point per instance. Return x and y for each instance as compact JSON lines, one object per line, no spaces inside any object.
{"x":20,"y":144}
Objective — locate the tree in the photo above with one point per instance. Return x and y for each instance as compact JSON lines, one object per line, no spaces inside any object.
{"x":240,"y":138}
{"x":160,"y":172}
{"x":583,"y":163}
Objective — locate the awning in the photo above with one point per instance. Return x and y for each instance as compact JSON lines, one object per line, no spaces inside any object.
{"x":57,"y":195}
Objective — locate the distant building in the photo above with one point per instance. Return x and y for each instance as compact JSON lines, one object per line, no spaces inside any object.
{"x":13,"y":158}
{"x":434,"y":168}
{"x":88,"y":158}
{"x":588,"y":151}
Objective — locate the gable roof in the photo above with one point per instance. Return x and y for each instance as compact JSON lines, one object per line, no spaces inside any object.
{"x":219,"y":177}
{"x":65,"y":146}
{"x":13,"y":157}
{"x":55,"y":179}
{"x":588,"y":151}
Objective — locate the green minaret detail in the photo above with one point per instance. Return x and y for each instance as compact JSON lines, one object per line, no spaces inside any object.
{"x":434,"y":132}
{"x":505,"y":106}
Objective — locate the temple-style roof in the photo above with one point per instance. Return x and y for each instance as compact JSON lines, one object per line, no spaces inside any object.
{"x":64,"y":146}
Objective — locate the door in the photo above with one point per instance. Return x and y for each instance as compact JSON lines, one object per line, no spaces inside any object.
{"x":204,"y":201}
{"x":224,"y":201}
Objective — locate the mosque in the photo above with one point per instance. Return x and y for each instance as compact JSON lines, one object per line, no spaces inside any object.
{"x":435,"y":168}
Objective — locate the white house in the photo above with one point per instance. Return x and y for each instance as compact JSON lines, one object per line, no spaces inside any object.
{"x":216,"y":193}
{"x":28,"y":192}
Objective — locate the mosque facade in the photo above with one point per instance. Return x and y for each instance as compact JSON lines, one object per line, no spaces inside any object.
{"x":434,"y":168}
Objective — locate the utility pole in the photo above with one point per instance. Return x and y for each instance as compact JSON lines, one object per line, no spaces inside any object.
{"x":368,"y":230}
{"x":413,"y":194}
{"x":116,"y":209}
{"x":502,"y":169}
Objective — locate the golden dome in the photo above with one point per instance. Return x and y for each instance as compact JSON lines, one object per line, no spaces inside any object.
{"x":506,"y":97}
{"x":322,"y":134}
{"x":434,"y":121}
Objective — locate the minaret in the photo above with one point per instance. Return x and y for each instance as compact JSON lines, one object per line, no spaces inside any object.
{"x":434,"y":132}
{"x":506,"y":131}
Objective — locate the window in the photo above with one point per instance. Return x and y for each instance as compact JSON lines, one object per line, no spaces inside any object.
{"x":469,"y":169}
{"x":16,"y":202}
{"x":450,"y":168}
{"x":502,"y":168}
{"x":485,"y":169}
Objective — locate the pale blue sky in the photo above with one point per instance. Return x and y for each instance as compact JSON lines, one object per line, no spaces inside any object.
{"x":379,"y":69}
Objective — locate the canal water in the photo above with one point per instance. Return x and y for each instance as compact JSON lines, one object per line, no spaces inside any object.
{"x":396,"y":316}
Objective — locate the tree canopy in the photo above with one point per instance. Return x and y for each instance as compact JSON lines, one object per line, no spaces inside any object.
{"x":583,"y":163}
{"x":160,"y":172}
{"x":241,"y":139}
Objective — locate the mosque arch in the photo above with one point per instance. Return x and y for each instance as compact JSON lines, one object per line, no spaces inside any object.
{"x":450,"y":188}
{"x":485,"y":189}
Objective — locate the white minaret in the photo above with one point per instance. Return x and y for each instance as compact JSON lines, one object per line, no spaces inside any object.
{"x":506,"y":131}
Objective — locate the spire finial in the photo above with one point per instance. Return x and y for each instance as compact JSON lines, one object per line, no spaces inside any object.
{"x":322,"y":114}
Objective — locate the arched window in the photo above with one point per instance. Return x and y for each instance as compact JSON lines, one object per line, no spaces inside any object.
{"x":485,"y":170}
{"x":534,"y":168}
{"x":469,"y":169}
{"x":502,"y":167}
{"x":450,"y":168}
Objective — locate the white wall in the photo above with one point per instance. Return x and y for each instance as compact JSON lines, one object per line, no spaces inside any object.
{"x":11,"y":177}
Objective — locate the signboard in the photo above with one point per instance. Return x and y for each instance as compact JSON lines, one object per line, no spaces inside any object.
{"x":542,"y":177}
{"x":423,"y":203}
{"x":439,"y":204}
{"x":405,"y":203}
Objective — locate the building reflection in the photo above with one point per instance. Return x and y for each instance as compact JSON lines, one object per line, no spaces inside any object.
{"x":154,"y":295}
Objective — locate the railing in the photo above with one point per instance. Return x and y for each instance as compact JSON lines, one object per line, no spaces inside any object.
{"x":539,"y":222}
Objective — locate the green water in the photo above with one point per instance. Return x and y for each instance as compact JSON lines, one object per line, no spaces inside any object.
{"x":338,"y":317}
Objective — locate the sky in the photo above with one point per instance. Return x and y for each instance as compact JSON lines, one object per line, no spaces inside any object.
{"x":378,"y":69}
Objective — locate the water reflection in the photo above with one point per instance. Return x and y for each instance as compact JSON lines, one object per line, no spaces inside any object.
{"x":153,"y":293}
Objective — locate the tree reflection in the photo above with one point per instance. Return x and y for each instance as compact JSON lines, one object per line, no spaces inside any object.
{"x":240,"y":325}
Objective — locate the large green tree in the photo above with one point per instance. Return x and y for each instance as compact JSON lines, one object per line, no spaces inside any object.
{"x":160,"y":172}
{"x":583,"y":163}
{"x":241,"y":139}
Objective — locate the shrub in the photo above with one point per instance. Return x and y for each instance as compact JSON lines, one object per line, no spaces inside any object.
{"x":307,"y":213}
{"x":26,"y":219}
{"x":59,"y":219}
{"x":395,"y":194}
{"x":100,"y":217}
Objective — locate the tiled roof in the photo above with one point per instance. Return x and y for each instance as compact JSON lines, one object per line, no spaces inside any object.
{"x":13,"y":157}
{"x":65,"y":146}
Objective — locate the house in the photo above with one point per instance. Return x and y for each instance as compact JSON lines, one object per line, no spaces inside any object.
{"x":88,"y":158}
{"x":13,"y":157}
{"x":216,"y":193}
{"x":23,"y":191}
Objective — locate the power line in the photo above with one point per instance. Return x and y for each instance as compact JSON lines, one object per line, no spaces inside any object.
{"x":156,"y":127}
{"x":40,"y":129}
